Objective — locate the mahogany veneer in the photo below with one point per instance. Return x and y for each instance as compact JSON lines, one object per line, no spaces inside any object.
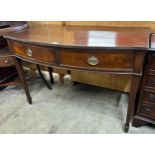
{"x":108,"y":60}
{"x":39,"y":54}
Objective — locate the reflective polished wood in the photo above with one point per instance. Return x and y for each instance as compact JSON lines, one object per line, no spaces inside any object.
{"x":99,"y":49}
{"x":84,"y":36}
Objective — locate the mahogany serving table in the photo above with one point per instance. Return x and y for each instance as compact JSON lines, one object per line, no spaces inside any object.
{"x":96,"y":49}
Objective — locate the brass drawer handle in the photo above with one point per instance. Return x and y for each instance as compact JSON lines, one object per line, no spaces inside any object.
{"x":29,"y":52}
{"x":92,"y":60}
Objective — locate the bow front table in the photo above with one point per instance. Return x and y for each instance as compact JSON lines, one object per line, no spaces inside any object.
{"x":96,"y":49}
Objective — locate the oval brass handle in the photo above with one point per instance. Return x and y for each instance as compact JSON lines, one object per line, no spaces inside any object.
{"x":29,"y":52}
{"x":92,"y":60}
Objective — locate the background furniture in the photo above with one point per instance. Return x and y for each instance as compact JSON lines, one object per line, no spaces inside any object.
{"x":8,"y":72}
{"x":145,"y":112}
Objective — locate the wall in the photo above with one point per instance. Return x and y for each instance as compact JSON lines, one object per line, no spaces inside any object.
{"x":150,"y":24}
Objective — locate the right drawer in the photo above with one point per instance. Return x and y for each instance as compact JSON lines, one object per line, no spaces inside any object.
{"x":97,"y":59}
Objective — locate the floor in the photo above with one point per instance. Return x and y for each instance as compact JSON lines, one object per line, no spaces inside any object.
{"x":80,"y":109}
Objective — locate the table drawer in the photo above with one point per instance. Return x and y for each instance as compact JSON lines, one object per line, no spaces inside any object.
{"x":6,"y":61}
{"x":147,"y":110}
{"x":149,"y":96}
{"x":41,"y":54}
{"x":97,"y":59}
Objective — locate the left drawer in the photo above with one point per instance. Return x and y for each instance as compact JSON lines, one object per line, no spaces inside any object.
{"x":34,"y":52}
{"x":6,"y":61}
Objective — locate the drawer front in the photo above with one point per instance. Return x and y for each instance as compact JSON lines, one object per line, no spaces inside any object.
{"x":150,"y":81}
{"x":97,"y":59}
{"x":40,"y":54}
{"x":147,"y":110}
{"x":149,"y":96}
{"x":6,"y":61}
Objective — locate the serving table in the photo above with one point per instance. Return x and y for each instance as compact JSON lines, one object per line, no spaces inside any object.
{"x":96,"y":49}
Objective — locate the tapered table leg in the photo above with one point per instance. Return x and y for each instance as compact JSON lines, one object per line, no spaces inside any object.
{"x":61,"y":76}
{"x":118,"y":97}
{"x":21,"y":74}
{"x":43,"y":78}
{"x":50,"y":70}
{"x":131,"y":103}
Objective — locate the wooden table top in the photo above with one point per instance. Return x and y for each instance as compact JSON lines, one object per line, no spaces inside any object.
{"x":84,"y":36}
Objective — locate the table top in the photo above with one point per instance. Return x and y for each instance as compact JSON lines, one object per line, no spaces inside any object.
{"x":84,"y":36}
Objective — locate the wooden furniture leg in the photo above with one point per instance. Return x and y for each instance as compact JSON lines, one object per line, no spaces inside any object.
{"x":43,"y":78}
{"x":131,"y":103}
{"x":61,"y":76}
{"x":20,"y":70}
{"x":50,"y":70}
{"x":118,"y":98}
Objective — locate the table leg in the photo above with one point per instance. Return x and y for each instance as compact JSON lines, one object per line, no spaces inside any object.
{"x":50,"y":70}
{"x":21,"y":74}
{"x":118,"y":98}
{"x":131,"y":103}
{"x":43,"y":78}
{"x":61,"y":76}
